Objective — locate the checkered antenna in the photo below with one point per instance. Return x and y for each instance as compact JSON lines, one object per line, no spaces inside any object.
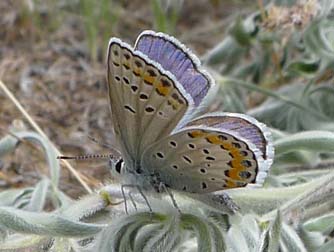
{"x":95,"y":156}
{"x":88,"y":156}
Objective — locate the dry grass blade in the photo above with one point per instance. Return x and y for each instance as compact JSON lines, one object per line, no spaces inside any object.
{"x":76,"y":174}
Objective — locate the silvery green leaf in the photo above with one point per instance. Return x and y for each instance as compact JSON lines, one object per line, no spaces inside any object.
{"x":298,"y":157}
{"x":85,"y":207}
{"x":291,"y":158}
{"x":310,"y":110}
{"x":289,"y":99}
{"x":293,"y":178}
{"x":235,"y":240}
{"x":167,"y":238}
{"x":231,"y":96}
{"x":291,"y":239}
{"x":49,"y":150}
{"x":281,"y":2}
{"x":19,"y":242}
{"x":47,"y":224}
{"x":228,"y":52}
{"x":8,"y":144}
{"x":317,"y":141}
{"x":145,"y":235}
{"x":188,"y":246}
{"x":38,"y":196}
{"x":3,"y":233}
{"x":64,"y":200}
{"x":311,"y":240}
{"x":323,"y":224}
{"x":326,"y":8}
{"x":201,"y":230}
{"x":221,"y":220}
{"x":327,"y":247}
{"x":217,"y":237}
{"x":250,"y":230}
{"x":14,"y":196}
{"x":275,"y":233}
{"x":317,"y":38}
{"x":264,"y":242}
{"x":61,"y":244}
{"x":261,"y":200}
{"x":116,"y":236}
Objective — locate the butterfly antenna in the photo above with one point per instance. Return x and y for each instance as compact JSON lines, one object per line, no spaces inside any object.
{"x":105,"y":145}
{"x":93,"y":139}
{"x":88,"y":156}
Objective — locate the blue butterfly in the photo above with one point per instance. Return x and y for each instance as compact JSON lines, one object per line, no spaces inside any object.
{"x":156,"y":90}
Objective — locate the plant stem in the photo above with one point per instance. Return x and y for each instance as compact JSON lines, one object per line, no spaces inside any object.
{"x":317,"y":191}
{"x":316,"y":141}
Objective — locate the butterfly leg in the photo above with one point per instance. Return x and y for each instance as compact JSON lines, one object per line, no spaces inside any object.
{"x":221,"y":201}
{"x":132,"y":201}
{"x":224,"y":198}
{"x":130,"y":197}
{"x":164,"y":187}
{"x":145,"y":198}
{"x":123,"y":194}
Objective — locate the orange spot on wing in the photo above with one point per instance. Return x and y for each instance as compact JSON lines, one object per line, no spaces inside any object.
{"x":230,"y":184}
{"x":214,"y":139}
{"x":163,"y":90}
{"x":173,"y":103}
{"x":196,"y":133}
{"x":137,"y":71}
{"x":237,"y":167}
{"x":149,"y":79}
{"x":234,"y":174}
{"x":126,"y":65}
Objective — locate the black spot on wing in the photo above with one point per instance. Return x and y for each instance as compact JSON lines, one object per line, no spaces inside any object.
{"x":210,"y":158}
{"x":191,"y":146}
{"x":126,"y":80}
{"x":134,"y":88}
{"x":187,"y":159}
{"x":245,"y":174}
{"x":149,"y":109}
{"x":130,"y":109}
{"x":143,"y":96}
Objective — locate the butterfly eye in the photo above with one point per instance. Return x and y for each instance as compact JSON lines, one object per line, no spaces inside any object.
{"x":118,"y":165}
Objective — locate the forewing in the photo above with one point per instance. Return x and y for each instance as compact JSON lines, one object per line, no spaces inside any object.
{"x":204,"y":159}
{"x":176,"y":58}
{"x":146,"y":101}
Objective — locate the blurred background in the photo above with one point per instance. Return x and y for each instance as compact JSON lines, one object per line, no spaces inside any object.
{"x":52,"y":58}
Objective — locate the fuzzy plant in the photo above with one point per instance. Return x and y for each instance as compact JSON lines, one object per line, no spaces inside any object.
{"x":286,"y":45}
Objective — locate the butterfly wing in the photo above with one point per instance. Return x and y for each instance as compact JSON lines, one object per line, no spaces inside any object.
{"x":244,"y":126}
{"x":203,"y":159}
{"x":176,"y":58}
{"x":146,"y":101}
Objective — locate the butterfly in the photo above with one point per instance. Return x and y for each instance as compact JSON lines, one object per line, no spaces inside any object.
{"x":156,"y":90}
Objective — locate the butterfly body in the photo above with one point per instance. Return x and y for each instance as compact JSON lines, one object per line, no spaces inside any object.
{"x":156,"y":90}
